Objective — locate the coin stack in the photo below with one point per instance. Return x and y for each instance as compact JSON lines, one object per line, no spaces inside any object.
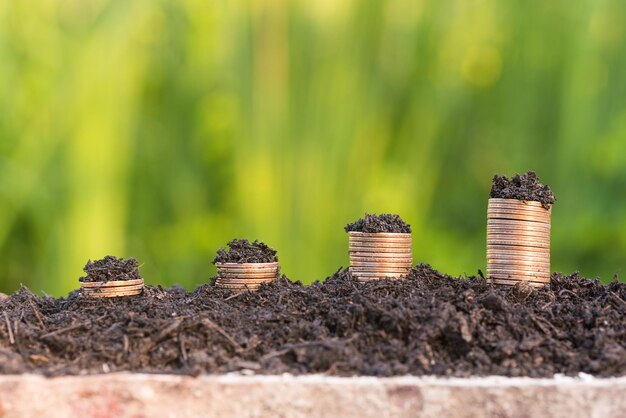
{"x":518,"y":242}
{"x":245,"y":276}
{"x":379,"y":255}
{"x":112,"y":289}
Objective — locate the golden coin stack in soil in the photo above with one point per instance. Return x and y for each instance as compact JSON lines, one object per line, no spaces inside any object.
{"x":379,"y":255}
{"x":245,"y":276}
{"x":518,"y":242}
{"x":112,"y":289}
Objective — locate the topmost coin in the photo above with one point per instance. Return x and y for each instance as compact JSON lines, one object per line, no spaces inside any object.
{"x":516,"y":204}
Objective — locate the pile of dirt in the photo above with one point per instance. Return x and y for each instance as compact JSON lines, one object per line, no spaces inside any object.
{"x":111,"y":268}
{"x":385,"y":222}
{"x":243,"y":251}
{"x":428,"y":324}
{"x":524,"y":187}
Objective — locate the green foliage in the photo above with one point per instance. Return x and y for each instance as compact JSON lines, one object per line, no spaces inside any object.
{"x":162,"y":129}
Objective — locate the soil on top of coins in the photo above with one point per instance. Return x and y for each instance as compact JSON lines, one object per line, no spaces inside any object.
{"x":524,"y":187}
{"x":243,"y":251}
{"x":427,"y":324}
{"x":385,"y":222}
{"x":111,"y":268}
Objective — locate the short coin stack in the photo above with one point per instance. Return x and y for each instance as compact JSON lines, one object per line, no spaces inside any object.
{"x":112,"y":289}
{"x":379,"y":255}
{"x":245,"y":276}
{"x":518,"y":242}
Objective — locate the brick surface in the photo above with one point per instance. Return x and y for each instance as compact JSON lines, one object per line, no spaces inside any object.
{"x":138,"y":395}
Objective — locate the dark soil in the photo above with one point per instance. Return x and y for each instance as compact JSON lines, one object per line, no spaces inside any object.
{"x":385,"y":222}
{"x":524,"y":187}
{"x":111,"y":268}
{"x":428,"y":324}
{"x":243,"y":251}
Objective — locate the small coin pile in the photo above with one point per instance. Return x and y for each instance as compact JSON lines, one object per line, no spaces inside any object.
{"x":112,"y":289}
{"x":245,"y":276}
{"x":518,"y":242}
{"x":379,"y":255}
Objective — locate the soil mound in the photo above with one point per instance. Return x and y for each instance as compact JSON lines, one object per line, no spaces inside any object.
{"x":428,"y":324}
{"x":243,"y":251}
{"x":385,"y":222}
{"x":111,"y":268}
{"x":524,"y":187}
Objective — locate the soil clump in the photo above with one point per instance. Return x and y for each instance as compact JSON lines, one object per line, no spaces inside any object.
{"x":385,"y":222}
{"x":243,"y":251}
{"x":524,"y":187}
{"x":427,"y":324}
{"x":111,"y":268}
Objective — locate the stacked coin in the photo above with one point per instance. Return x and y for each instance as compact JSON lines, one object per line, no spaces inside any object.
{"x":112,"y":289}
{"x":379,"y":255}
{"x":518,"y":242}
{"x":244,"y":276}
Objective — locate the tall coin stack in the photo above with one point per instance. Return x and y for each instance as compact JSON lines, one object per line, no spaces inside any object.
{"x":518,"y":242}
{"x":112,"y":289}
{"x":379,"y":255}
{"x":245,"y":276}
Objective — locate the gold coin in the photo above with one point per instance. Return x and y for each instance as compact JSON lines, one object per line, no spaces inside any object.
{"x":248,"y":266}
{"x":516,"y":269}
{"x":516,"y":224}
{"x":380,"y":254}
{"x":519,"y":242}
{"x":375,"y":264}
{"x":509,"y":262}
{"x":397,"y":241}
{"x":378,"y":274}
{"x":358,"y":248}
{"x":239,"y":287}
{"x":517,"y":202}
{"x":528,"y":209}
{"x":518,"y":239}
{"x":354,"y":259}
{"x":380,"y":234}
{"x":111,"y":289}
{"x":518,"y":276}
{"x":518,"y":231}
{"x":382,"y":244}
{"x":518,"y":217}
{"x":113,"y":294}
{"x":520,"y":211}
{"x":515,"y":282}
{"x":244,"y":281}
{"x":505,"y":258}
{"x":379,"y":269}
{"x":112,"y":283}
{"x":518,"y":249}
{"x":249,"y":273}
{"x":521,"y":279}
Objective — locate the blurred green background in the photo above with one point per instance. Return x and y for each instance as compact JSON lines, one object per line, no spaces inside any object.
{"x":162,"y":129}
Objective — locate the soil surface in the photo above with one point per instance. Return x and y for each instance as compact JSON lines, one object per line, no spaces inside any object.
{"x":111,"y":268}
{"x":243,"y":251}
{"x":524,"y":187}
{"x":428,"y":324}
{"x":385,"y":222}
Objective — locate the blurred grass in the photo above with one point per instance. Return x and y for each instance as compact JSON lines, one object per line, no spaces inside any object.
{"x":162,"y":129}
